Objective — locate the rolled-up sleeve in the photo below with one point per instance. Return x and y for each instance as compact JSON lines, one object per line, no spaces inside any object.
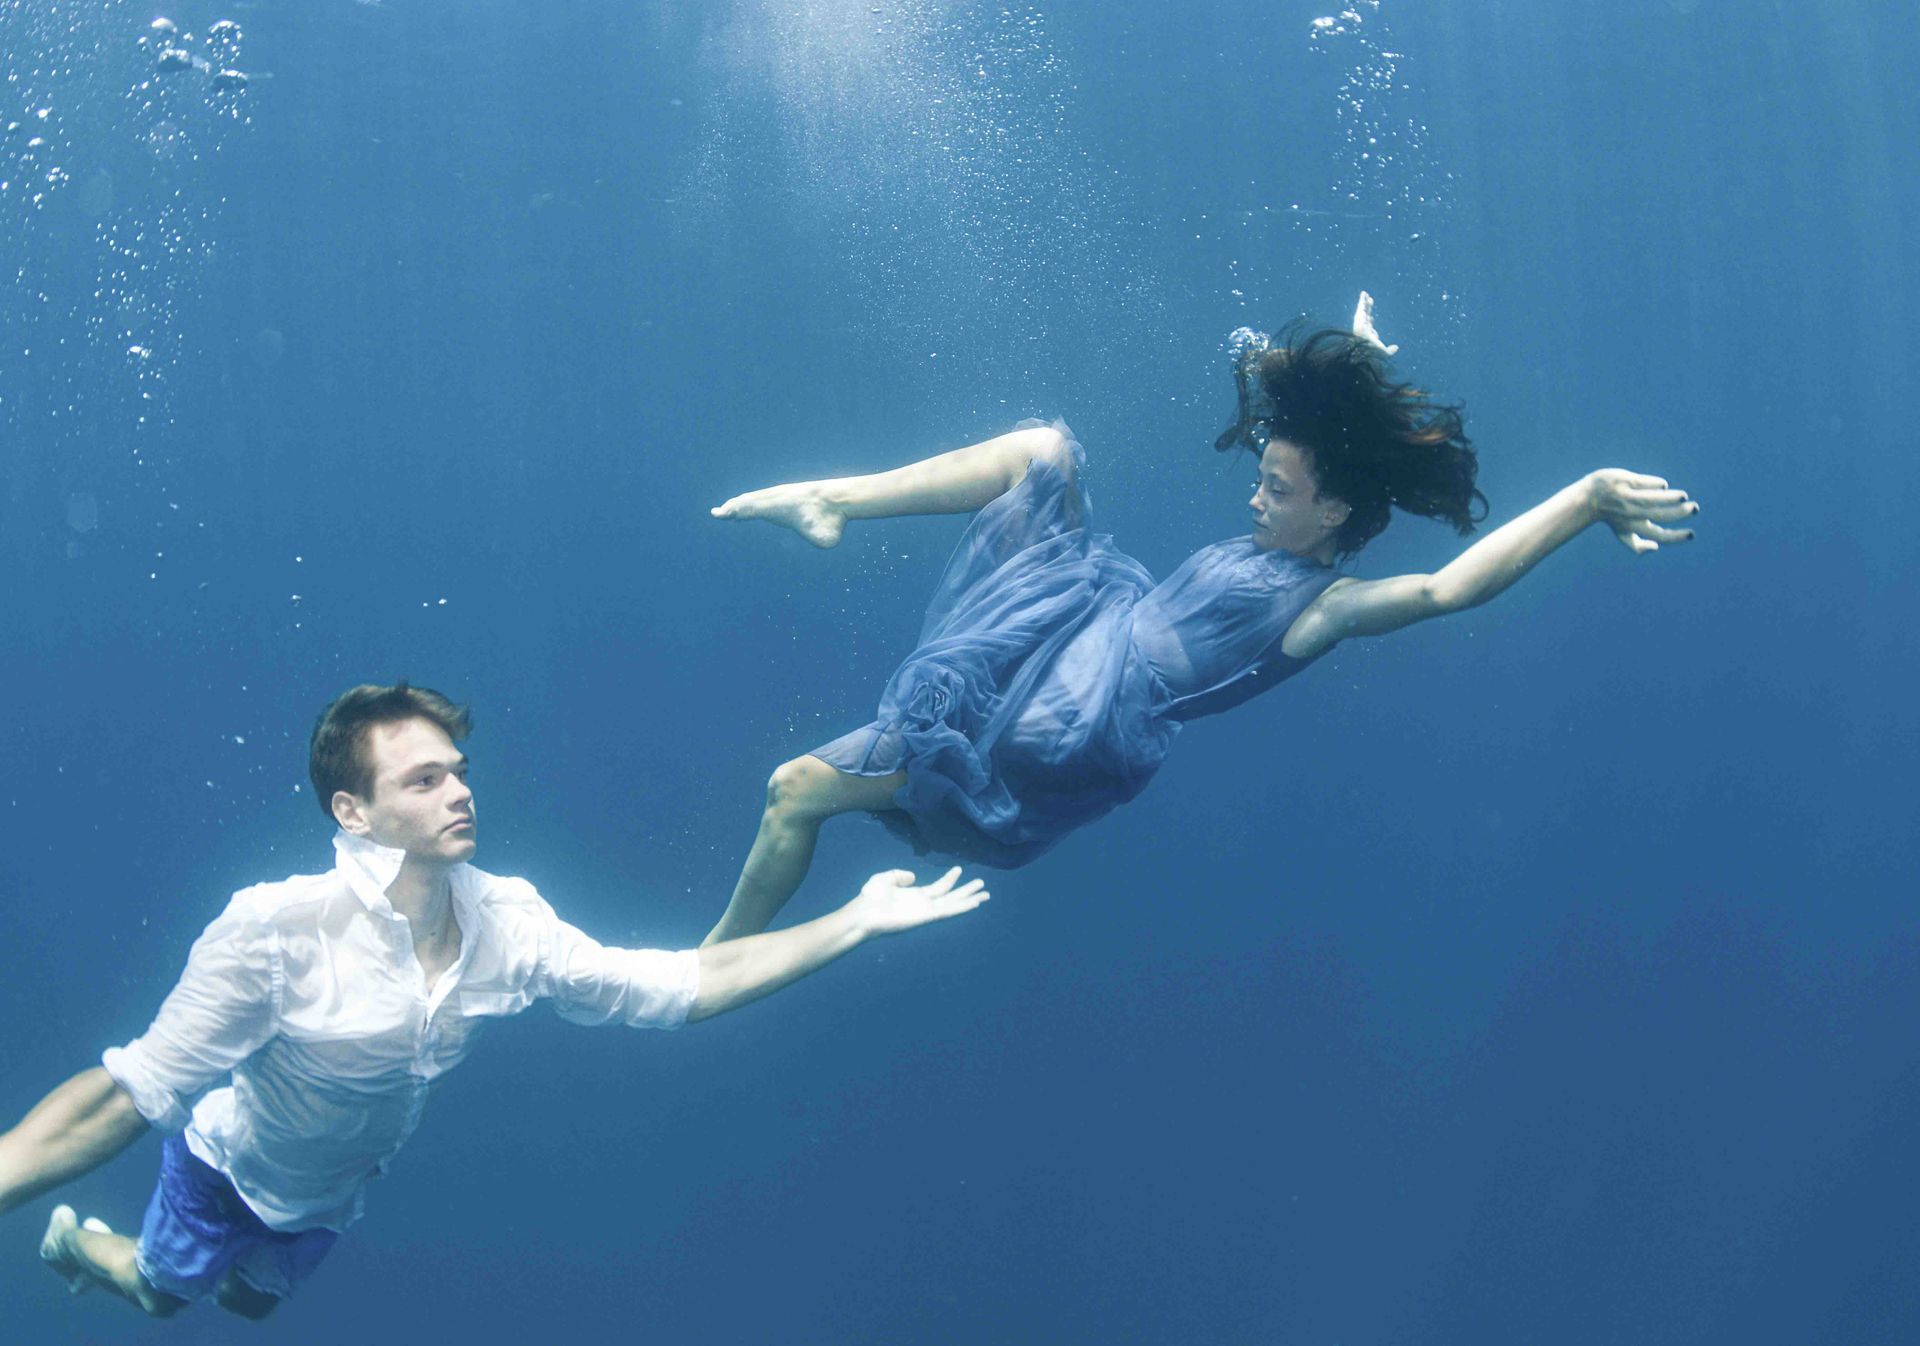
{"x":591,"y":983}
{"x":220,"y":1013}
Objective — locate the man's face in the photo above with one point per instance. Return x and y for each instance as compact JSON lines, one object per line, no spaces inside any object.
{"x":420,"y":802}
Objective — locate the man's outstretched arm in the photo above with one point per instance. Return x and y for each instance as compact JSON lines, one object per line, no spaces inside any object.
{"x":73,"y":1130}
{"x":742,"y":970}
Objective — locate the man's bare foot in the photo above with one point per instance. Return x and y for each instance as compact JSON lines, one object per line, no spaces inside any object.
{"x":56,"y":1248}
{"x":798,"y":506}
{"x":1364,"y":329}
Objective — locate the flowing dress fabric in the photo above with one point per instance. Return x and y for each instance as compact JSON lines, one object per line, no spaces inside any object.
{"x":1052,"y":675}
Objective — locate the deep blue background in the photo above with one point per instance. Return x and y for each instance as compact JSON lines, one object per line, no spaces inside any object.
{"x":1547,"y":974}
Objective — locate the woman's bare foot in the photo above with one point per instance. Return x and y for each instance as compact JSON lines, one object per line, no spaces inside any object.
{"x":56,"y":1248}
{"x":1364,"y":329}
{"x":799,"y":506}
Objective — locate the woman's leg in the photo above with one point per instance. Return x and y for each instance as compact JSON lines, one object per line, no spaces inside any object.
{"x":801,"y":795}
{"x":949,"y":483}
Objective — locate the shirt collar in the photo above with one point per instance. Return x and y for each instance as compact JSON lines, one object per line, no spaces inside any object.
{"x":368,"y":867}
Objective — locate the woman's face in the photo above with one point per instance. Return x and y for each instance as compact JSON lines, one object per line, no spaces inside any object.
{"x":1289,"y":513}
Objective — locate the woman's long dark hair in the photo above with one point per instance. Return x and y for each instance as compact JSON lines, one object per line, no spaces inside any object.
{"x":1369,"y":441}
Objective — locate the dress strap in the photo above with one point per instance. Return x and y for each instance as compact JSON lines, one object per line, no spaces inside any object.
{"x":1271,"y":669}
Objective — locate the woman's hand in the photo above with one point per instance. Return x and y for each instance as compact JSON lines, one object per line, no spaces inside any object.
{"x":1635,"y":507}
{"x":1364,"y":329}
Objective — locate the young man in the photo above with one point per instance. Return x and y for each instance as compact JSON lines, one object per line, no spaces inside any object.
{"x":335,"y":1000}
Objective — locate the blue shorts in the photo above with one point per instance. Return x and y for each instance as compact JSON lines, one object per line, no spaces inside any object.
{"x":197,"y":1229}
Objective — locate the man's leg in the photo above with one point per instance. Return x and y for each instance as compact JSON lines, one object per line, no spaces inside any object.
{"x":801,"y":795}
{"x":91,"y":1254}
{"x":949,"y":483}
{"x":236,"y":1296}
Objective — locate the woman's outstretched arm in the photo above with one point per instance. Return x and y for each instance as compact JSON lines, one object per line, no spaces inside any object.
{"x":1634,"y":506}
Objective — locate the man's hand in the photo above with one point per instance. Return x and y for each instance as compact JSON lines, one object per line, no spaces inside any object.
{"x":737,"y":971}
{"x":1635,"y":506}
{"x":889,"y":903}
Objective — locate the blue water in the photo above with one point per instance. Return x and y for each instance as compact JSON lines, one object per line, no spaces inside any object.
{"x":1544,"y":974}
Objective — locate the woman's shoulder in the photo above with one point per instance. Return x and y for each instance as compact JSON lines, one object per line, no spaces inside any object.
{"x":1311,"y":633}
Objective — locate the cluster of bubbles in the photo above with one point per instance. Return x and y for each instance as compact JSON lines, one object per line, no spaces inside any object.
{"x":933,"y":144}
{"x":27,"y":149}
{"x":108,"y":123}
{"x":111,"y":202}
{"x":174,"y":53}
{"x":1384,"y":192}
{"x":53,"y":55}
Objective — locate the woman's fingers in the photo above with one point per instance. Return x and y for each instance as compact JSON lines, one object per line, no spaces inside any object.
{"x":1644,"y":535}
{"x":1619,"y":479}
{"x":1652,"y":497}
{"x":1667,"y":513}
{"x":1627,"y":503}
{"x":1646,"y":528}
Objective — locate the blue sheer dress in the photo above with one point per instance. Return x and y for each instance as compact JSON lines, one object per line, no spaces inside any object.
{"x":1052,"y":674}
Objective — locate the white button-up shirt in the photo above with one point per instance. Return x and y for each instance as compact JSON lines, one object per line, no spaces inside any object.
{"x":307,"y":991}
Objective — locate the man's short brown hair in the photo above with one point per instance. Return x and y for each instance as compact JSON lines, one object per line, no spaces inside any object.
{"x":337,"y":754}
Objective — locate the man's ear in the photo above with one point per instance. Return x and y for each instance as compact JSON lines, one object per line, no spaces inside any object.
{"x":347,"y":811}
{"x":1336,"y":513}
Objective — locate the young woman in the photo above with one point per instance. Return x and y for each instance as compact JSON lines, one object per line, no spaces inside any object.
{"x":1053,"y":673}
